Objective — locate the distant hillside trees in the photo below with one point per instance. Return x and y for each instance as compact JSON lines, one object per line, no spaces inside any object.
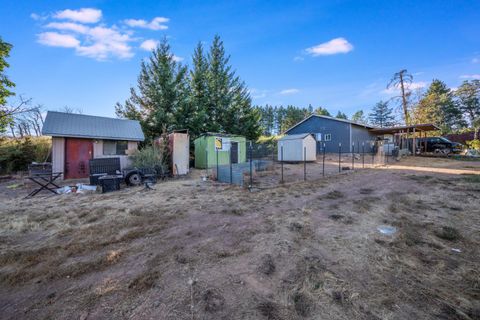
{"x":209,"y":97}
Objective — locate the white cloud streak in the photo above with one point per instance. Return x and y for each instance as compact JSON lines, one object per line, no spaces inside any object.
{"x":149,"y":45}
{"x":84,"y":15}
{"x":289,"y":91}
{"x":470,"y":76}
{"x":334,"y":46}
{"x":68,"y":26}
{"x":408,"y":86}
{"x":54,"y":39}
{"x":157,"y":23}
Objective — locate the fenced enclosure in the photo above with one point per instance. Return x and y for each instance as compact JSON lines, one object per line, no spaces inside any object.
{"x":264,"y":166}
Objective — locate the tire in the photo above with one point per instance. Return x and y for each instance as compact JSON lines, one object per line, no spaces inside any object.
{"x":133,"y":179}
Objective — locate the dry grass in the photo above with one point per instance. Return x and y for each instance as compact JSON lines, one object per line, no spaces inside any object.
{"x":300,"y":251}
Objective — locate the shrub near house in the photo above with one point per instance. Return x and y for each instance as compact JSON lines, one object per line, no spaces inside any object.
{"x":17,"y":153}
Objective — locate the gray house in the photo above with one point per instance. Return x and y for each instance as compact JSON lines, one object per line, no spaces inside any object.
{"x":334,"y":131}
{"x":77,"y":138}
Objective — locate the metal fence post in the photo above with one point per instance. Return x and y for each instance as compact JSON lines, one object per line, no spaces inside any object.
{"x":339,"y":156}
{"x":353,"y":155}
{"x":388,"y":150}
{"x":373,"y":153}
{"x":281,"y":162}
{"x":304,"y":164}
{"x":363,"y":154}
{"x":323,"y":165}
{"x":251,"y":168}
{"x":230,"y":160}
{"x":217,"y":166}
{"x":206,"y":161}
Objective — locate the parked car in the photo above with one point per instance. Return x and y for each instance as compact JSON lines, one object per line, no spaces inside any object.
{"x":439,"y":145}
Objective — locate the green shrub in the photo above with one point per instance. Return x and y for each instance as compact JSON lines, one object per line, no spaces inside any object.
{"x":17,"y":154}
{"x":150,"y":157}
{"x":474,"y":144}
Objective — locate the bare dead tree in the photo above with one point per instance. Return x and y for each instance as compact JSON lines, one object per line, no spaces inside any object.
{"x":401,"y":80}
{"x":12,"y":110}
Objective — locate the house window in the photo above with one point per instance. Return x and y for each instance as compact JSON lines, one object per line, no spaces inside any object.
{"x":328,"y":137}
{"x":318,"y":136}
{"x":112,"y":147}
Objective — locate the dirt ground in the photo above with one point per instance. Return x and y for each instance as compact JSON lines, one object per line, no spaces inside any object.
{"x":193,"y":249}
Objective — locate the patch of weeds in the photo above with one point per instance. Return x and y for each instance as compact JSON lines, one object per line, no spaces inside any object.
{"x":213,"y":300}
{"x":233,"y":211}
{"x":295,"y":226}
{"x":339,"y":297}
{"x":335,"y":217}
{"x":335,"y":194}
{"x":419,"y":178}
{"x":302,"y":304}
{"x":366,"y":191}
{"x":448,"y":233}
{"x":412,"y":237}
{"x":144,"y":281}
{"x":472,"y":178}
{"x":269,"y":310}
{"x":267,"y":265}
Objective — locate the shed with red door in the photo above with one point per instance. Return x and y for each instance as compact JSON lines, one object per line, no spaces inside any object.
{"x":77,"y":138}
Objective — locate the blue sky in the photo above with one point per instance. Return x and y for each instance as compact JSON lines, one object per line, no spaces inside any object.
{"x":335,"y":54}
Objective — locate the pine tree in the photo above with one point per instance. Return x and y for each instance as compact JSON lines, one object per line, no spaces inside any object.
{"x":322,"y":112}
{"x":6,"y":117}
{"x":438,"y":106}
{"x":229,"y":106}
{"x":381,"y":115}
{"x":161,"y":96}
{"x":359,"y":117}
{"x":468,"y":95}
{"x":341,"y":115}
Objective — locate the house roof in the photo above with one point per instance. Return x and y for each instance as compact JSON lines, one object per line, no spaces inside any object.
{"x":61,"y":124}
{"x":330,"y":118}
{"x":417,"y":127}
{"x":294,"y":136}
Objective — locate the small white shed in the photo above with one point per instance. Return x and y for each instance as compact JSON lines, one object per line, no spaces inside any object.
{"x":296,"y":147}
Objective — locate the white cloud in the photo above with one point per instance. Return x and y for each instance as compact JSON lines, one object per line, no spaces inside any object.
{"x":83,"y":15}
{"x":289,"y":91}
{"x":106,"y":42}
{"x":257,"y":94}
{"x":37,"y":17}
{"x":409,"y":86}
{"x":55,"y":39}
{"x":157,"y":23}
{"x":298,"y":58}
{"x":177,"y":58}
{"x":470,"y":76}
{"x":68,"y":26}
{"x":475,"y":60}
{"x":149,"y":45}
{"x":334,"y":46}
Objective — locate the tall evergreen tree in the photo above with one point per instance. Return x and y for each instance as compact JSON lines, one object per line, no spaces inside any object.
{"x":5,"y":86}
{"x":468,"y":95}
{"x":229,"y":104}
{"x":341,"y":115}
{"x":322,"y":112}
{"x":161,"y":98}
{"x":359,"y":117}
{"x":438,"y":106}
{"x":381,"y":115}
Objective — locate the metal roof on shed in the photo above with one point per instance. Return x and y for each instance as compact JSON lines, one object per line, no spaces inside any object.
{"x":61,"y":124}
{"x":294,"y":136}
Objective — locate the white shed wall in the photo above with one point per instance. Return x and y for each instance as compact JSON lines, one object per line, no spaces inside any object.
{"x":180,"y":153}
{"x":58,"y":154}
{"x":293,"y":150}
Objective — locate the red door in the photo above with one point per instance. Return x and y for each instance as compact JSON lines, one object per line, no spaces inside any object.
{"x":77,"y":154}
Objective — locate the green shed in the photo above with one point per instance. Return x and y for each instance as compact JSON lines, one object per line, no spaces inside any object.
{"x":206,"y":147}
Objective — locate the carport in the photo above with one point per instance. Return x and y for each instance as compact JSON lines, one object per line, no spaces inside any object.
{"x":402,"y":134}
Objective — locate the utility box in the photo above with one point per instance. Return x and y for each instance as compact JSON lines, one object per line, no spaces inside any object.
{"x":225,"y":147}
{"x":297,"y":147}
{"x":179,"y":146}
